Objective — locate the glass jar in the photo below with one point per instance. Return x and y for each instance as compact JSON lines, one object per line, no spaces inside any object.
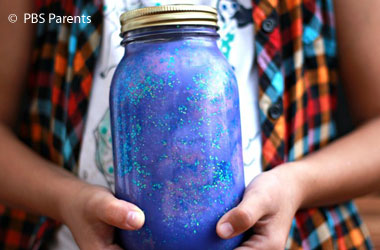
{"x":176,"y":128}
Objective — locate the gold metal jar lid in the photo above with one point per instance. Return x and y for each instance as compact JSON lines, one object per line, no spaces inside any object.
{"x":168,"y":15}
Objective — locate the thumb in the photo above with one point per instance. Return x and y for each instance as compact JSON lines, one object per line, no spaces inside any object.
{"x":120,"y":213}
{"x":242,"y":217}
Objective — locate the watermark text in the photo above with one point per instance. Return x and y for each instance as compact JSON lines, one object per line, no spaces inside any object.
{"x":48,"y":18}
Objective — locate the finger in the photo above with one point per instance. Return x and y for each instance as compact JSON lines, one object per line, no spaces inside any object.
{"x":263,"y":242}
{"x":120,"y":213}
{"x":113,"y":247}
{"x":270,"y":235}
{"x":242,"y":217}
{"x":255,"y":242}
{"x":99,"y":246}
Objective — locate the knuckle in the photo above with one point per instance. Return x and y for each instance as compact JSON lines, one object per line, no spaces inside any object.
{"x":110,"y":211}
{"x":267,"y":200}
{"x":262,"y":199}
{"x":244,"y":218}
{"x":93,"y":200}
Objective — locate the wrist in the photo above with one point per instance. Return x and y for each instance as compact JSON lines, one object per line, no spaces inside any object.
{"x":290,"y":175}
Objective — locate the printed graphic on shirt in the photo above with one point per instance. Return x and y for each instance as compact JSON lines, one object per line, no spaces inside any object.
{"x":103,"y":153}
{"x":232,"y":16}
{"x":111,"y":14}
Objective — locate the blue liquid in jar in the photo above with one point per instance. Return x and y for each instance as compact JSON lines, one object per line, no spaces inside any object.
{"x":176,"y":137}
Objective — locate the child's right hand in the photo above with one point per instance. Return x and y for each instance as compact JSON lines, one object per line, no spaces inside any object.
{"x":92,"y":214}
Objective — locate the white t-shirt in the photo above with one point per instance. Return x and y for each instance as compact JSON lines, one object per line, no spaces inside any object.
{"x":236,"y":43}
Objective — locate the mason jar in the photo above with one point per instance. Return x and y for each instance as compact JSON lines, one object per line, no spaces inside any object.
{"x":176,"y":128}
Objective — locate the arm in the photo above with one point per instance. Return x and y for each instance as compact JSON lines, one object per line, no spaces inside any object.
{"x":28,"y":181}
{"x":357,"y":155}
{"x":345,"y":169}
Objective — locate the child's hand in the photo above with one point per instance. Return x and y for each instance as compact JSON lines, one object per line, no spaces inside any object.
{"x":268,"y":207}
{"x":92,"y":214}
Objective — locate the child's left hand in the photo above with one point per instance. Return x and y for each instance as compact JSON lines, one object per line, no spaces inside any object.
{"x":269,"y":204}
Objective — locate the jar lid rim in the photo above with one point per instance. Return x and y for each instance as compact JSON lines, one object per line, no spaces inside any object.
{"x":179,"y":14}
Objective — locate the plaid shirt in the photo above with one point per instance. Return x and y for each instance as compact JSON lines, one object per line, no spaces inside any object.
{"x":297,"y":64}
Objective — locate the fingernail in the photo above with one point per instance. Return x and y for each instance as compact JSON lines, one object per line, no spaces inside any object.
{"x":226,"y":229}
{"x":135,"y":219}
